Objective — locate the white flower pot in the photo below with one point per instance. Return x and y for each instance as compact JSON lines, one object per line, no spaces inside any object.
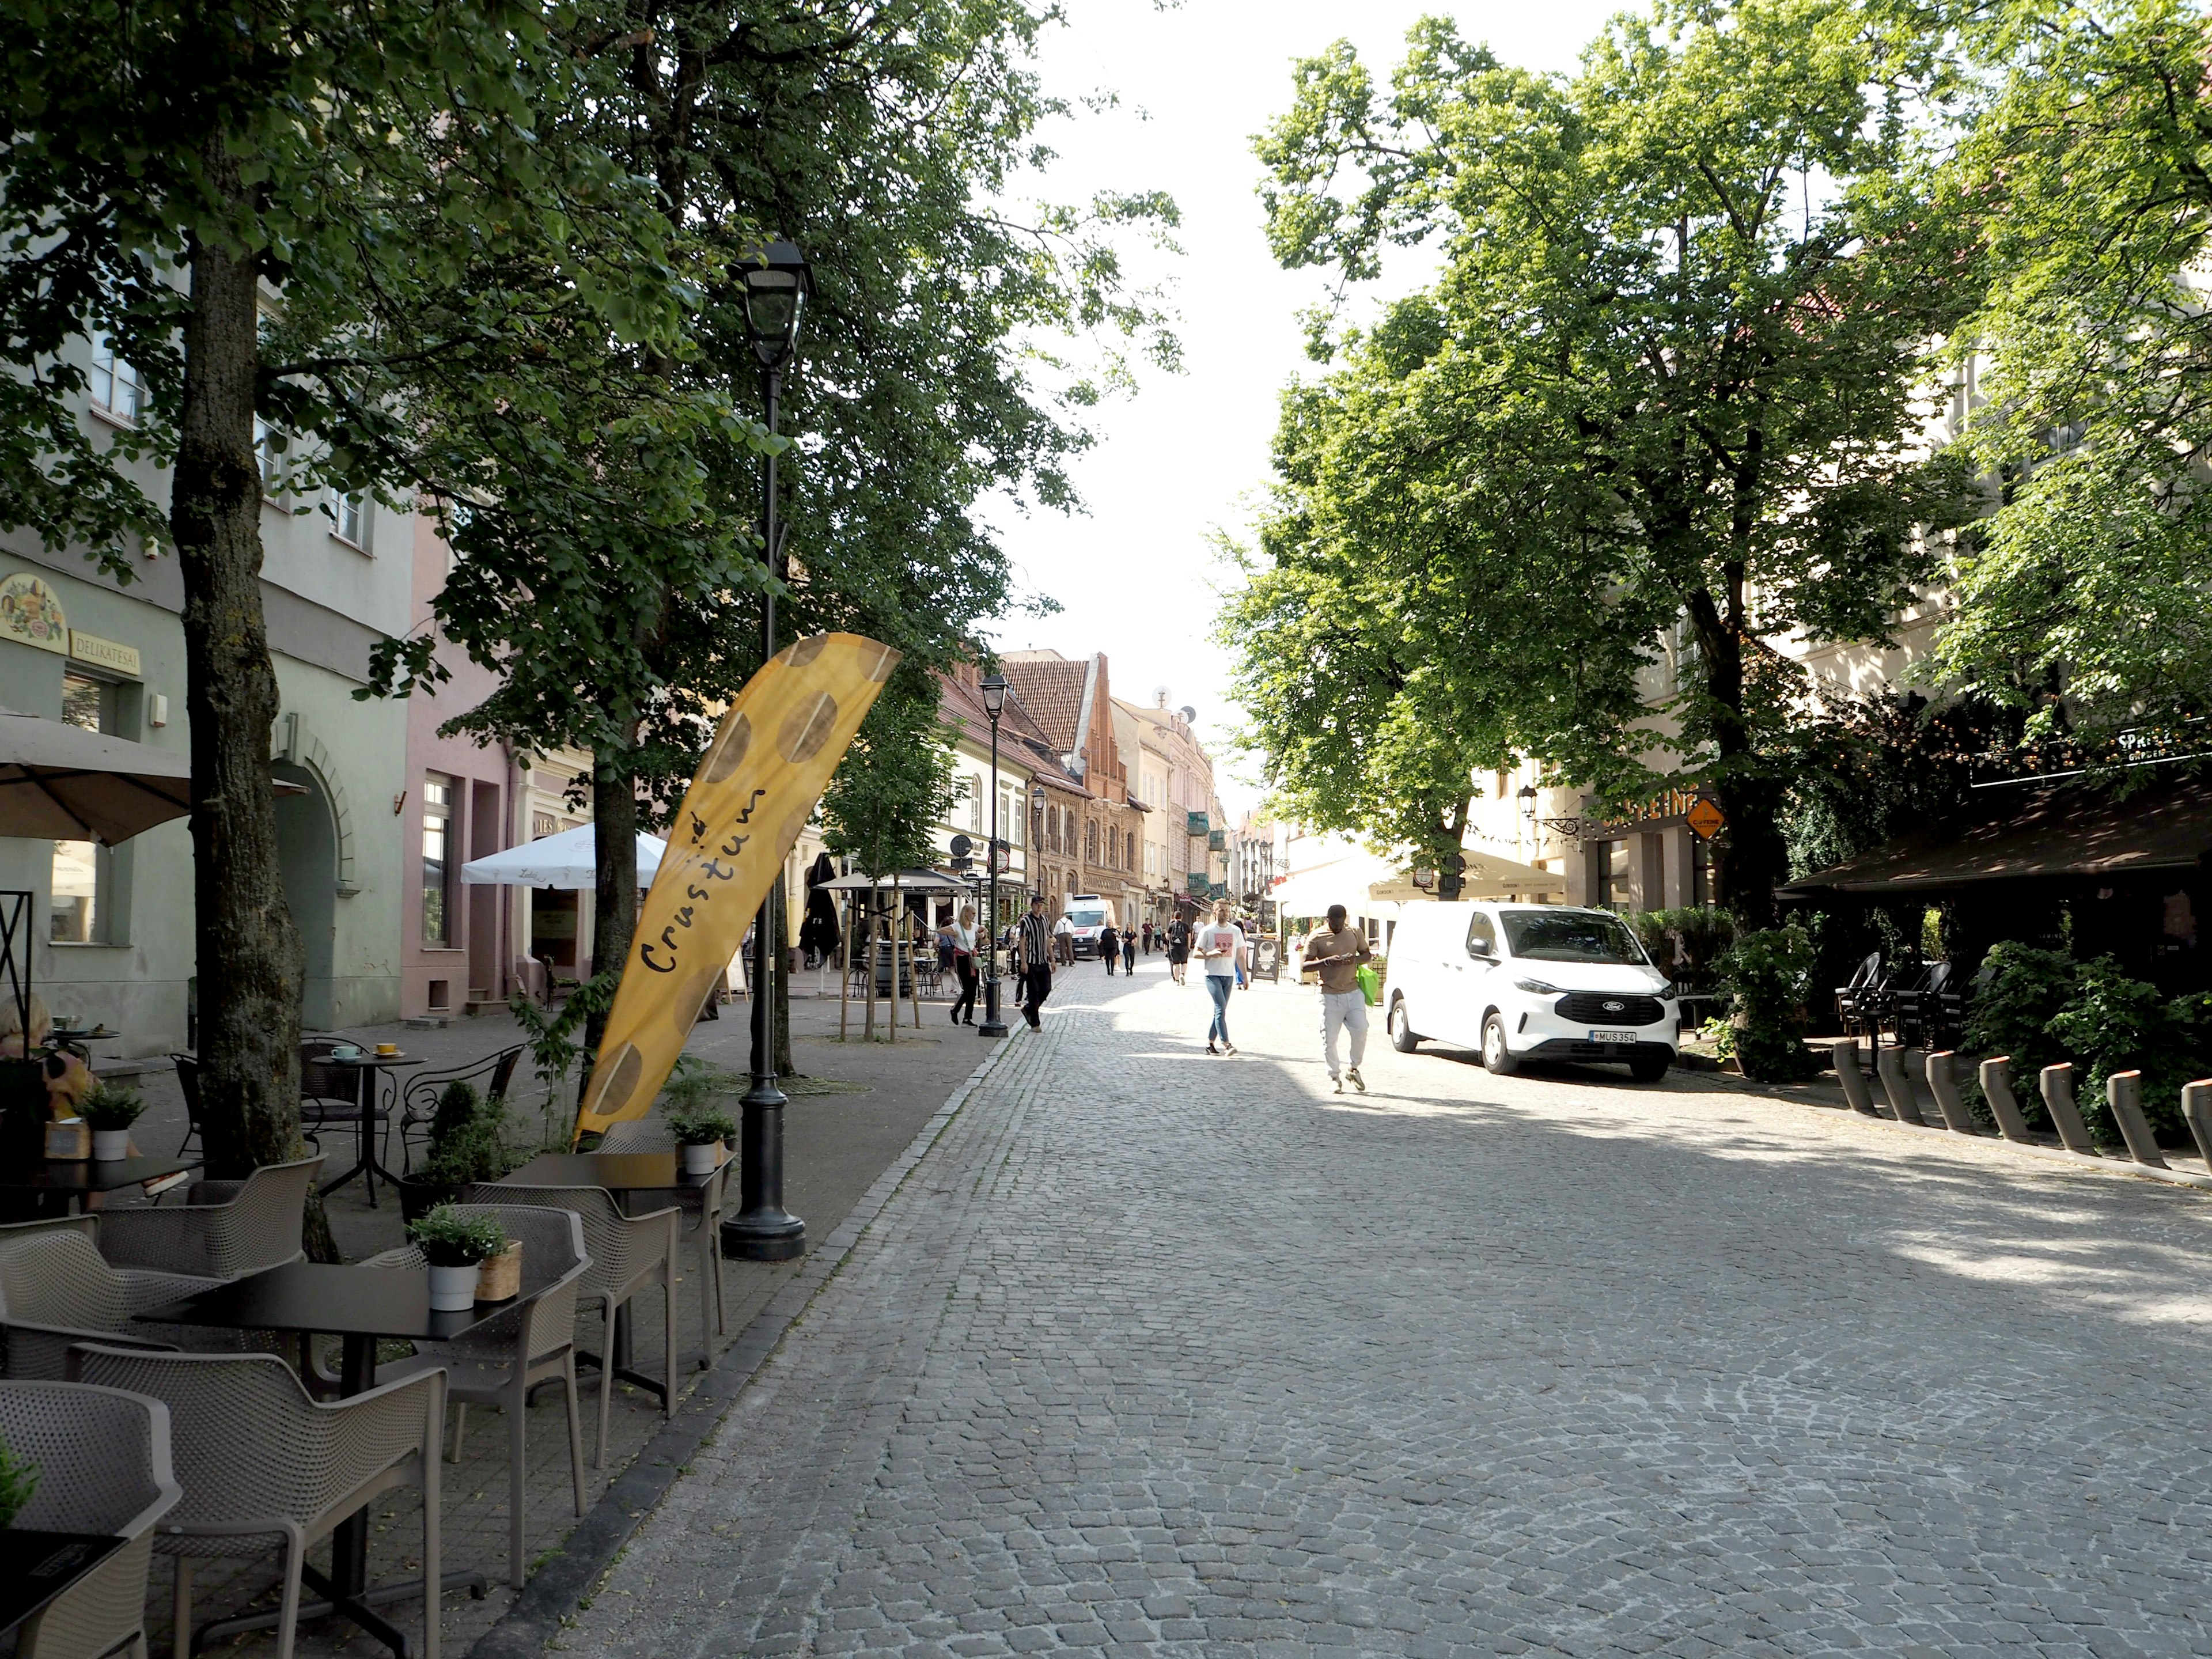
{"x":703,"y":1159}
{"x":111,"y":1143}
{"x":454,"y":1290}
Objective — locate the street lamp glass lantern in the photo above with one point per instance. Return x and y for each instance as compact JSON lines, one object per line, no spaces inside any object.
{"x":994,"y":694}
{"x":778,"y":283}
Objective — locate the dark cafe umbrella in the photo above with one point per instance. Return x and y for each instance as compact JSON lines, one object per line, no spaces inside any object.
{"x":64,"y":783}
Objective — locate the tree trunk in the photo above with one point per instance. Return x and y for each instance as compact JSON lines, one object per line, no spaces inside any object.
{"x":614,"y":863}
{"x":1751,"y":855}
{"x":779,"y":998}
{"x":247,"y":949}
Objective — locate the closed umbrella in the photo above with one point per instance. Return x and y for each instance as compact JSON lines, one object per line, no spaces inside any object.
{"x":61,"y":782}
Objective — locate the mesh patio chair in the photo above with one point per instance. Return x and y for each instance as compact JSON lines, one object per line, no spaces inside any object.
{"x":56,"y":1289}
{"x":223,"y":1229}
{"x":263,"y":1465}
{"x":498,"y":1362}
{"x":418,"y":1101}
{"x":103,"y":1460}
{"x":702,"y":1219}
{"x":86,"y":1224}
{"x":629,"y":1254}
{"x":1857,"y":1004}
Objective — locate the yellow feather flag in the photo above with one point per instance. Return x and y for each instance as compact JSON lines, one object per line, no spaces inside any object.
{"x":769,"y":763}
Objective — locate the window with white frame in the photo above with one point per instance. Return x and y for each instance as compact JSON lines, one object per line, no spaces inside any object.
{"x":82,"y":871}
{"x":350,"y":518}
{"x":974,"y":807}
{"x":115,"y":386}
{"x":268,"y":454}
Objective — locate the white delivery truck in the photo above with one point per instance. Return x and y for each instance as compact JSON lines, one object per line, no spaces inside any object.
{"x":1089,"y":914}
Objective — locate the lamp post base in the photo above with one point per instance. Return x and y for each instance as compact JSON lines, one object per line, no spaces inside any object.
{"x":762,"y":1230}
{"x":992,"y":1026}
{"x":763,"y":1236}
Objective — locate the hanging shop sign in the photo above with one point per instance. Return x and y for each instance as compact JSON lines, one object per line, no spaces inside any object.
{"x":1706,"y":819}
{"x":31,"y":613}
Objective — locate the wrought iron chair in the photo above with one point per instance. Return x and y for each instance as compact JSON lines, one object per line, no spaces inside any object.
{"x":1858,"y":1004}
{"x":224,"y":1229}
{"x":262,"y":1460}
{"x":1928,"y":1009}
{"x":702,"y":1219}
{"x":56,"y":1289}
{"x":498,"y":1362}
{"x":628,"y":1254}
{"x":103,"y":1461}
{"x":188,"y":1084}
{"x":418,"y":1102}
{"x":330,"y":1094}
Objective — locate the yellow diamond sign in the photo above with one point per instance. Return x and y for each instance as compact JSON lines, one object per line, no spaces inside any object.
{"x":1705,"y":818}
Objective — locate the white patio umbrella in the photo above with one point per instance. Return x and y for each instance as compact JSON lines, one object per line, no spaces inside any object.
{"x":567,"y":859}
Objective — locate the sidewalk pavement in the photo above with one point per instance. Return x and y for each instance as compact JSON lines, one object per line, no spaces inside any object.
{"x":1155,"y":1353}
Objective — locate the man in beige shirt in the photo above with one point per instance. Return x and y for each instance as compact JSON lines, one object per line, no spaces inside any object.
{"x":1337,"y":950}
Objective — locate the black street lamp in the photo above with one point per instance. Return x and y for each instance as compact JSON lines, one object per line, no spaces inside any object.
{"x":778,"y":283}
{"x":994,"y":704}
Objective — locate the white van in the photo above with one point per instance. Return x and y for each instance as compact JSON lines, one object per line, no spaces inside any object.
{"x":1530,"y":982}
{"x":1089,"y":914}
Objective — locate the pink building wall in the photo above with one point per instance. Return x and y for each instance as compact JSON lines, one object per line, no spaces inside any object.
{"x":477,"y":962}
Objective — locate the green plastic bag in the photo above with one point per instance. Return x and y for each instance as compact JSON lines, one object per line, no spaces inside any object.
{"x":1370,"y":984}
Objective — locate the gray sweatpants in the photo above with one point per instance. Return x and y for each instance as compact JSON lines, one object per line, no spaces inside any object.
{"x":1343,"y":1010}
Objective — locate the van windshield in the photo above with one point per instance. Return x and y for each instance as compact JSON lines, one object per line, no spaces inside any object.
{"x":1571,"y":936}
{"x":1087,"y":918}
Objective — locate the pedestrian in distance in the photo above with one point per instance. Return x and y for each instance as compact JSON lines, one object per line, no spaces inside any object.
{"x":1063,"y":941}
{"x":1148,"y":930}
{"x":1033,"y":952}
{"x":962,"y":932}
{"x":1220,"y":946}
{"x":1337,"y":950}
{"x":1129,"y":953}
{"x":1109,"y":946}
{"x":1178,"y":949}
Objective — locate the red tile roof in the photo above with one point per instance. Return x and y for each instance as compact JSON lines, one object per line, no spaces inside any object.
{"x":1051,"y":692}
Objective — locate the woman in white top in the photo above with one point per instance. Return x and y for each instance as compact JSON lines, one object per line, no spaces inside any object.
{"x":964,"y":964}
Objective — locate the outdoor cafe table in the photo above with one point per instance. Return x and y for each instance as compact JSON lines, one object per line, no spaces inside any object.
{"x":370,"y":1066}
{"x":362,"y":1306}
{"x":37,"y":1566}
{"x":621,"y":1174}
{"x":73,"y":1180}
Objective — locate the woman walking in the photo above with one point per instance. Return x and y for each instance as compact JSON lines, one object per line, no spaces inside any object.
{"x":1109,"y":946}
{"x":1129,"y":951}
{"x":1178,"y":948}
{"x":963,"y":935}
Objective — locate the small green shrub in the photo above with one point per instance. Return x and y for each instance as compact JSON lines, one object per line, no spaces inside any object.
{"x":449,"y":1239}
{"x":19,"y":1482}
{"x":2116,"y":1023}
{"x":1686,"y":943}
{"x":702,"y":1125}
{"x":1766,"y":974}
{"x":111,"y":1106}
{"x":464,"y":1139}
{"x":2019,"y":990}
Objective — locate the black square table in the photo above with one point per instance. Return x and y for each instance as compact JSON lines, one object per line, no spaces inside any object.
{"x":37,"y":1566}
{"x":76,"y":1179}
{"x":362,"y":1306}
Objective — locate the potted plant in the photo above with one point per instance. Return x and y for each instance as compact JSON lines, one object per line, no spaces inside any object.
{"x":465,"y":1147}
{"x":700,"y":1132}
{"x":110,"y":1110}
{"x":19,"y":1480}
{"x":455,"y":1246}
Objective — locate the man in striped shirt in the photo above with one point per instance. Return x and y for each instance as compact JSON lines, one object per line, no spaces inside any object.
{"x":1033,"y":957}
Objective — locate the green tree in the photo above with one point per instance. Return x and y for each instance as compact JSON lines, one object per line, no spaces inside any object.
{"x":2086,"y":373}
{"x":166,"y":160}
{"x":1683,"y":308}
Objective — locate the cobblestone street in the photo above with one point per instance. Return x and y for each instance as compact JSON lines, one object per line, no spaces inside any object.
{"x":1157,"y":1353}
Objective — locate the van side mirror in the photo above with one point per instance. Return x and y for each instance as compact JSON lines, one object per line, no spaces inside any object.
{"x":1480,"y":951}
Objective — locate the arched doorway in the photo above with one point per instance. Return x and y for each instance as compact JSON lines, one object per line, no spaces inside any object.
{"x":307,"y":852}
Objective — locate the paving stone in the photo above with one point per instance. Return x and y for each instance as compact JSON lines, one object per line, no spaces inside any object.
{"x":1157,"y":1353}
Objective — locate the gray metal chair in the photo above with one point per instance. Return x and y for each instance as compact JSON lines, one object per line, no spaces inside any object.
{"x":56,"y":1289}
{"x":629,"y":1254}
{"x":498,"y":1362}
{"x":702,"y":1219}
{"x":103,"y":1461}
{"x":262,"y":1461}
{"x":223,"y":1229}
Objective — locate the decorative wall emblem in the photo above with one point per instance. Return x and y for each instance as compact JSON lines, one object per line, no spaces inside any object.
{"x":31,"y":612}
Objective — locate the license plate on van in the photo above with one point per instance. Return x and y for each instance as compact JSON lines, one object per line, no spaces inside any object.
{"x":1613,"y":1036}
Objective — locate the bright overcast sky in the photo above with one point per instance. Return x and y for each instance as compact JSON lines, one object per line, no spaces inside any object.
{"x":1136,"y":577}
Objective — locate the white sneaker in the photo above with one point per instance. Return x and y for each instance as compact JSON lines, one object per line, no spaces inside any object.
{"x":1228,"y":1048}
{"x":1357,"y":1081}
{"x":1338,"y":1082}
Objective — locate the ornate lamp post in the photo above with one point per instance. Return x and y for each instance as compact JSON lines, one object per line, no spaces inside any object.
{"x":778,"y":283}
{"x":994,"y":704}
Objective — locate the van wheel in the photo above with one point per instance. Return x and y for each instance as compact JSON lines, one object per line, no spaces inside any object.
{"x":1647,"y":1068}
{"x":1403,"y":1038}
{"x":1497,"y":1058}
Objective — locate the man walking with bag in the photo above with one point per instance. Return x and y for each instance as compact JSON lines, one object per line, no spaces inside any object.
{"x":1221,"y":946}
{"x":1337,"y":950}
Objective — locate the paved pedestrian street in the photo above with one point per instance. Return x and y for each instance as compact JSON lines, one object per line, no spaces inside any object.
{"x":1159,"y":1353}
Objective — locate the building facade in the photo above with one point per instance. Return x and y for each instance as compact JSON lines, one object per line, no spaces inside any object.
{"x":1071,"y":701}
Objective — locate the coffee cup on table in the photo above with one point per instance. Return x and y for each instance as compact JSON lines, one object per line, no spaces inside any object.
{"x":387,"y":1047}
{"x":345,"y":1051}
